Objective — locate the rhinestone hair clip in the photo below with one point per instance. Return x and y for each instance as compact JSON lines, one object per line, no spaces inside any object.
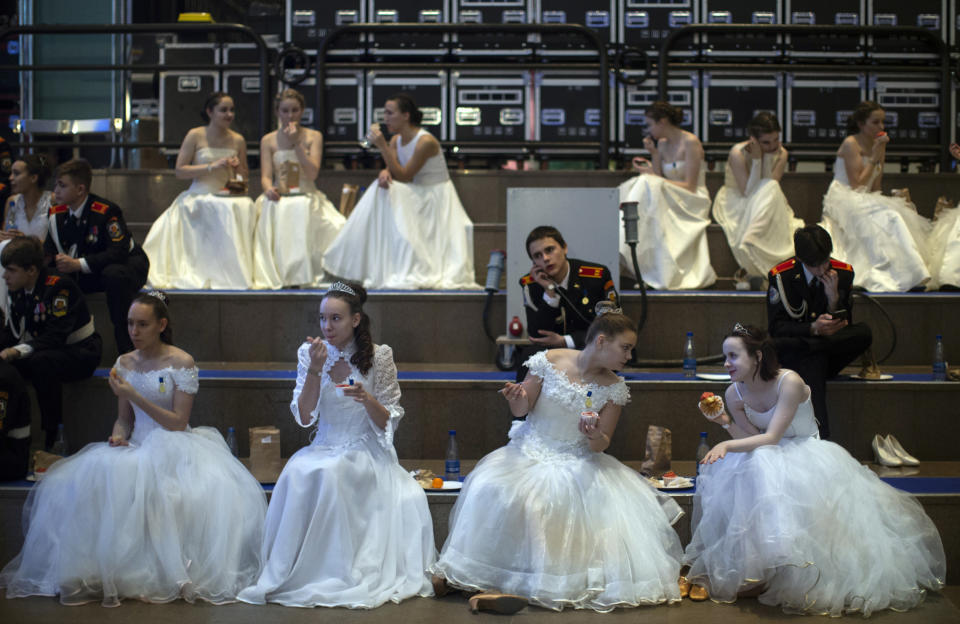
{"x":606,"y":307}
{"x":342,"y":288}
{"x":158,"y":294}
{"x":740,"y":330}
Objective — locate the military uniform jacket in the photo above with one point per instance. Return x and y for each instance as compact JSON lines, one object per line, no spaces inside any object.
{"x":102,"y":237}
{"x":587,"y":284}
{"x":792,"y":305}
{"x":55,"y":314}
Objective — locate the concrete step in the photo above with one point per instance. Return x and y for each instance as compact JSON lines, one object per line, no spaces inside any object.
{"x":446,"y":326}
{"x":924,"y":415}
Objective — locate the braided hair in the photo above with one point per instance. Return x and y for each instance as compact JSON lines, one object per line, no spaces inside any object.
{"x":363,"y":358}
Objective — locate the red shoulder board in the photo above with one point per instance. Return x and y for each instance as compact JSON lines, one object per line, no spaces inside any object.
{"x":590,"y":271}
{"x":837,"y":264}
{"x":52,"y":279}
{"x":526,"y":280}
{"x":58,"y":209}
{"x":784,"y":266}
{"x":100,"y":207}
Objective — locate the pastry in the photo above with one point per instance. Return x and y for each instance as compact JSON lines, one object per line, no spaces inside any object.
{"x":711,"y":405}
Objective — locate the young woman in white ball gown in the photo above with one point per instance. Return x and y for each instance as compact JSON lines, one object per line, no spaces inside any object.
{"x":159,"y":512}
{"x":409,"y":229}
{"x":882,"y":236}
{"x":204,"y":240}
{"x":296,"y":221}
{"x":751,"y":207}
{"x":347,"y":526}
{"x":795,"y":520}
{"x":673,"y":206}
{"x":550,"y":517}
{"x":945,"y":243}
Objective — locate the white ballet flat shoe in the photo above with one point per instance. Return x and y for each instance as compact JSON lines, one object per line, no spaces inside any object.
{"x":883,"y":454}
{"x":894,"y":445}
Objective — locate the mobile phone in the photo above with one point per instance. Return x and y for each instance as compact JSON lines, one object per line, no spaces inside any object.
{"x":840,"y":315}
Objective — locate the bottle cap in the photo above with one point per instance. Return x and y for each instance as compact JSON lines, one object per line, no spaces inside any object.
{"x":452,"y":431}
{"x":689,"y":333}
{"x":703,"y":434}
{"x":229,"y":429}
{"x":939,"y":337}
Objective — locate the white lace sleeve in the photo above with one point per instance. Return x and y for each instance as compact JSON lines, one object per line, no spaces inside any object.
{"x":303,"y":366}
{"x":538,"y":364}
{"x":386,"y":390}
{"x":617,"y":393}
{"x":186,"y":379}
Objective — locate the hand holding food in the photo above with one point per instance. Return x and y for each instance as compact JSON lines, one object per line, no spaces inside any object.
{"x":711,"y":405}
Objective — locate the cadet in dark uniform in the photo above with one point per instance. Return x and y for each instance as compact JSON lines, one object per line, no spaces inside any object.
{"x":49,"y":336}
{"x":560,"y":294}
{"x":89,"y":241}
{"x":809,"y":315}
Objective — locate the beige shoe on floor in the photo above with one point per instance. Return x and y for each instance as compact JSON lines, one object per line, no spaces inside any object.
{"x":883,"y":454}
{"x":906,"y":458}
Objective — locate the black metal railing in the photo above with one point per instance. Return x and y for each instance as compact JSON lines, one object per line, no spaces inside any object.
{"x":125,"y":29}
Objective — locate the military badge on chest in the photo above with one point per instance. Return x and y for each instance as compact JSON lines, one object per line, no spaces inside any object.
{"x":60,"y":303}
{"x":93,"y":234}
{"x":39,"y":312}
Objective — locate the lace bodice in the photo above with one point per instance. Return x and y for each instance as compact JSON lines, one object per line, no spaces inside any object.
{"x":434,"y":171}
{"x":16,"y":217}
{"x":158,"y":387}
{"x":341,"y":421}
{"x":678,"y":171}
{"x":803,"y":425}
{"x":213,"y":181}
{"x":284,"y":156}
{"x":551,"y":430}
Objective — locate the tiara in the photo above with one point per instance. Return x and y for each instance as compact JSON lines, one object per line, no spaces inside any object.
{"x":158,"y":294}
{"x":342,"y":288}
{"x":606,"y":307}
{"x":740,"y":330}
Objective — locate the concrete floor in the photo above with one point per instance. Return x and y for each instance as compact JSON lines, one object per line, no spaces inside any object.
{"x":452,"y":609}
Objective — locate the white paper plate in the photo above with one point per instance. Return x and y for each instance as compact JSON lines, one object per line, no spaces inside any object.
{"x":686,"y":484}
{"x":447,"y":485}
{"x":883,"y":377}
{"x":714,"y":376}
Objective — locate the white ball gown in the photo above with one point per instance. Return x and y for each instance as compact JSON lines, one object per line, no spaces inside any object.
{"x":945,"y":248}
{"x":16,"y":219}
{"x":293,"y":233}
{"x":759,"y":224}
{"x":820,"y":531}
{"x":172,"y":515}
{"x":548,"y":519}
{"x":882,"y":236}
{"x":204,"y":240}
{"x":347,"y":526}
{"x":408,"y":236}
{"x":672,"y":251}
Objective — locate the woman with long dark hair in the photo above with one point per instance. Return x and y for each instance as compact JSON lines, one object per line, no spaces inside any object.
{"x":673,"y":206}
{"x":410,"y":225}
{"x":26,"y":211}
{"x":795,"y":520}
{"x":160,"y":511}
{"x":205,"y":238}
{"x":347,"y":526}
{"x":882,"y":236}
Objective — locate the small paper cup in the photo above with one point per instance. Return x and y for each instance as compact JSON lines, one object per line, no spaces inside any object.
{"x":589,"y":418}
{"x":340,"y":388}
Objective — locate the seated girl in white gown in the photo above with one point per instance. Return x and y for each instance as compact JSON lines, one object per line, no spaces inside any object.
{"x":751,"y":207}
{"x":945,"y":243}
{"x":205,"y":238}
{"x":882,"y":236}
{"x":409,"y":230}
{"x":296,"y":221}
{"x":160,"y":511}
{"x":347,"y":526}
{"x":794,"y":519}
{"x":550,"y":517}
{"x":27,"y":209}
{"x":673,"y":206}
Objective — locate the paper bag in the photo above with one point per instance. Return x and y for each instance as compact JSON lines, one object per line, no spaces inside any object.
{"x":288,"y":179}
{"x":658,"y":455}
{"x":348,"y":198}
{"x":265,"y":461}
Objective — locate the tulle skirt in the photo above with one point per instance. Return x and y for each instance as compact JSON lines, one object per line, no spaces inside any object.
{"x":759,"y":226}
{"x":176,"y":517}
{"x":945,"y":248}
{"x":291,"y":237}
{"x":407,"y":236}
{"x":345,"y":528}
{"x":819,"y":531}
{"x":672,"y":251}
{"x":882,"y":236}
{"x":585,"y":533}
{"x":203,"y":241}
